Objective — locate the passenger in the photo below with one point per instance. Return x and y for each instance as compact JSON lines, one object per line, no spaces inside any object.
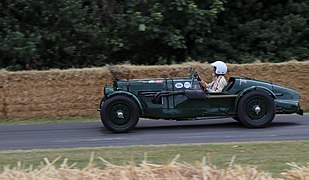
{"x":218,"y":79}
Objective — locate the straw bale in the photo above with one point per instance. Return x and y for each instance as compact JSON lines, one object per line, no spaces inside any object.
{"x":55,"y":93}
{"x":2,"y":102}
{"x":162,"y":71}
{"x":3,"y":83}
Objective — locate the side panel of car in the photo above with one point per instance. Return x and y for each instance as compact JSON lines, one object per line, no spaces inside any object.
{"x":287,"y":100}
{"x":167,"y":108}
{"x":240,"y":84}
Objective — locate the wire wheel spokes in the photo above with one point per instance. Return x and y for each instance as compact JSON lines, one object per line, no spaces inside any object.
{"x":256,"y":108}
{"x":120,"y":114}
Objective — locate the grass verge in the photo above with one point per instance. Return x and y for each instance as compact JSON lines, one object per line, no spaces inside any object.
{"x":266,"y":156}
{"x":47,"y":120}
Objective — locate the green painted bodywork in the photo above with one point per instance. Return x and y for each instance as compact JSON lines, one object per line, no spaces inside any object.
{"x":182,"y":98}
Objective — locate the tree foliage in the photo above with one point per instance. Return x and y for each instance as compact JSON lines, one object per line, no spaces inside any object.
{"x":165,"y":31}
{"x":51,"y":33}
{"x":42,"y":34}
{"x":266,"y":30}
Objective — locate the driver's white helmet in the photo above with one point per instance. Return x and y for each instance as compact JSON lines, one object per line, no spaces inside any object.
{"x":221,"y":67}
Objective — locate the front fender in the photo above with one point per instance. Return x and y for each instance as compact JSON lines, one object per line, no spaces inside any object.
{"x":117,"y":93}
{"x":252,"y":88}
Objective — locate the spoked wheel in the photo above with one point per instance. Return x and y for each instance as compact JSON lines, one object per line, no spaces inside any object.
{"x":119,"y":114}
{"x":256,"y":109}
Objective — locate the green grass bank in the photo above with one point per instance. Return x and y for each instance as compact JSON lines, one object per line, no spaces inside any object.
{"x":265,"y":156}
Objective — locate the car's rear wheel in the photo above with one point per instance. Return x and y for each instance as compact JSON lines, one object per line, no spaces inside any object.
{"x":119,"y":114}
{"x":256,"y":109}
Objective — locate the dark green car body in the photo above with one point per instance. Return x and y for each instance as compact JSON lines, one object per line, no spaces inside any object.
{"x":252,"y":102}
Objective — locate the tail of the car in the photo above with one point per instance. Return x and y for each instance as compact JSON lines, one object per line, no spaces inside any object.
{"x":288,"y":100}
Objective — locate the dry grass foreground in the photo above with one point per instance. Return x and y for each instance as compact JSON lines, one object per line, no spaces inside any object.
{"x":146,"y":170}
{"x":77,"y":92}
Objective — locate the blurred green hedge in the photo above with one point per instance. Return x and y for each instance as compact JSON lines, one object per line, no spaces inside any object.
{"x":43,"y":34}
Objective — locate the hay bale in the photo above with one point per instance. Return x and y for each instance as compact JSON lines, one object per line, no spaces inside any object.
{"x":3,"y":83}
{"x":55,"y":93}
{"x":2,"y":102}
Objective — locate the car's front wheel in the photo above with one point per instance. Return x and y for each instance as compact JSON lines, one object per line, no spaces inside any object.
{"x":119,"y":114}
{"x":256,"y":109}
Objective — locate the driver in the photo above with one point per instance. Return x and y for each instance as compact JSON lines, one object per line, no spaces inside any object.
{"x":218,"y":80}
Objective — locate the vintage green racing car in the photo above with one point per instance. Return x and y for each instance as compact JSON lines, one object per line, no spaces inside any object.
{"x":252,"y":102}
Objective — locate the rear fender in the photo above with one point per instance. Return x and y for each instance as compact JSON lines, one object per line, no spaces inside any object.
{"x":125,"y":93}
{"x":252,"y":88}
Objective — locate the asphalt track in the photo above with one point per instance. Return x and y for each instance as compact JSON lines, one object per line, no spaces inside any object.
{"x":93,"y":134}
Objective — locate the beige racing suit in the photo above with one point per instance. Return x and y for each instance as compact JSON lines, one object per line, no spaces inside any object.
{"x":217,"y":84}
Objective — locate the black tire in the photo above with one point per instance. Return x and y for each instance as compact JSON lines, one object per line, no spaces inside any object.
{"x":101,"y":102}
{"x":236,"y":118}
{"x":256,"y":109}
{"x":119,"y":114}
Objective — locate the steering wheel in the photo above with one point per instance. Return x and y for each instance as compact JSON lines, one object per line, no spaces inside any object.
{"x":195,"y":75}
